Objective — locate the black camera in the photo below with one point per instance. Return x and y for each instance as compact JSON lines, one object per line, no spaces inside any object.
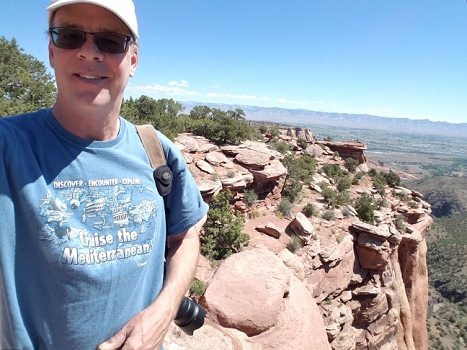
{"x":190,"y":316}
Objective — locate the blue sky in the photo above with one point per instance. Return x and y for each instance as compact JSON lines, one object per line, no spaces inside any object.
{"x":393,"y":58}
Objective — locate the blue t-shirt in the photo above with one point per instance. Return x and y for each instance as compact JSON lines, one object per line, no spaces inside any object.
{"x":82,"y":231}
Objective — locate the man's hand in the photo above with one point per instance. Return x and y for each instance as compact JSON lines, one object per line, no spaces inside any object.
{"x":145,"y":331}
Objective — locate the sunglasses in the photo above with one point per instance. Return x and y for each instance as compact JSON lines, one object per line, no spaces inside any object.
{"x":70,"y":38}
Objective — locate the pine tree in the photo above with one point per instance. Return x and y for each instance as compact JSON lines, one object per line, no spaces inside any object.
{"x":223,"y":230}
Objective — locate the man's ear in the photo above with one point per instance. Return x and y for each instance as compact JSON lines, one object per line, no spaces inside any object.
{"x":51,"y":53}
{"x":133,"y":60}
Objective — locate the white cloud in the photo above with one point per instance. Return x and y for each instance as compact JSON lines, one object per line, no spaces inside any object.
{"x":175,"y":89}
{"x":215,"y":95}
{"x":183,"y":83}
{"x":319,"y":102}
{"x":284,"y":100}
{"x":217,"y":86}
{"x":172,"y":89}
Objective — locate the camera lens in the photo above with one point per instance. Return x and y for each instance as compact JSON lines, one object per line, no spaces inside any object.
{"x":190,"y":316}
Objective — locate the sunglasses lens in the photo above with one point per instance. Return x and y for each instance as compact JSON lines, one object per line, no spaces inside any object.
{"x":110,"y":42}
{"x":66,"y":38}
{"x":69,"y":38}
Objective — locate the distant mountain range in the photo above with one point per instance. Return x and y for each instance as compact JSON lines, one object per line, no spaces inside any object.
{"x":306,"y":118}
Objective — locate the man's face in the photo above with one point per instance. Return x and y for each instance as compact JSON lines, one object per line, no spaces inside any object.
{"x":87,"y":77}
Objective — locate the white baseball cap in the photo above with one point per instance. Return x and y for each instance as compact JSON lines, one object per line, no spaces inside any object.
{"x":124,"y":9}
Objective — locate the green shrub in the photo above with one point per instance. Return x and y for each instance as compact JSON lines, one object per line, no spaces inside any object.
{"x":300,"y":169}
{"x":346,"y":212}
{"x":333,"y":171}
{"x":285,"y":207}
{"x":273,"y":131}
{"x":381,"y":203}
{"x":254,"y":214}
{"x":323,"y":185}
{"x":344,"y":183}
{"x":223,"y":230}
{"x":302,"y":143}
{"x":365,"y":209}
{"x":403,"y":196}
{"x":329,"y":215}
{"x":292,"y":190}
{"x":400,"y":223}
{"x":279,"y":145}
{"x":250,"y":197}
{"x":309,"y":210}
{"x":351,"y":164}
{"x":330,"y":197}
{"x":343,"y":198}
{"x":197,"y":288}
{"x":358,"y":175}
{"x":392,"y":179}
{"x":379,"y":183}
{"x":294,"y":244}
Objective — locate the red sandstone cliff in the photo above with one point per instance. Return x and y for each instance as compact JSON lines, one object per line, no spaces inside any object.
{"x":353,"y":285}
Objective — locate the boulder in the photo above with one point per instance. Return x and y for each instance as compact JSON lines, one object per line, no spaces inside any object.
{"x":314,"y":150}
{"x":188,"y":144}
{"x":247,"y":291}
{"x":204,"y":166}
{"x":216,"y":158}
{"x":207,"y":148}
{"x":210,"y":336}
{"x":253,"y":159}
{"x":270,"y":229}
{"x":302,"y":227}
{"x":255,"y":293}
{"x":379,"y":232}
{"x":372,"y":253}
{"x":270,"y":172}
{"x":208,"y":187}
{"x":204,"y":271}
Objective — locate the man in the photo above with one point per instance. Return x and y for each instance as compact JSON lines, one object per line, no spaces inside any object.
{"x":84,"y":229}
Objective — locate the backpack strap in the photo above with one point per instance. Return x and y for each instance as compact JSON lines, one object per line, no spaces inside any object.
{"x":152,"y":145}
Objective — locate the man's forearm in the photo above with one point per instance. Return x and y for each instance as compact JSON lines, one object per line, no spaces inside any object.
{"x":182,"y":259}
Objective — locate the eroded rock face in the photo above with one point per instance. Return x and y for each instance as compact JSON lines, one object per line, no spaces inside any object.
{"x":353,"y":150}
{"x":300,"y":133}
{"x":353,"y":285}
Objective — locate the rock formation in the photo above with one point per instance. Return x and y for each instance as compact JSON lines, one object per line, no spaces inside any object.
{"x":352,"y":284}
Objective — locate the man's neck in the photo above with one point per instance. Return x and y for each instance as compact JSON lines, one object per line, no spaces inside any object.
{"x":93,"y":124}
